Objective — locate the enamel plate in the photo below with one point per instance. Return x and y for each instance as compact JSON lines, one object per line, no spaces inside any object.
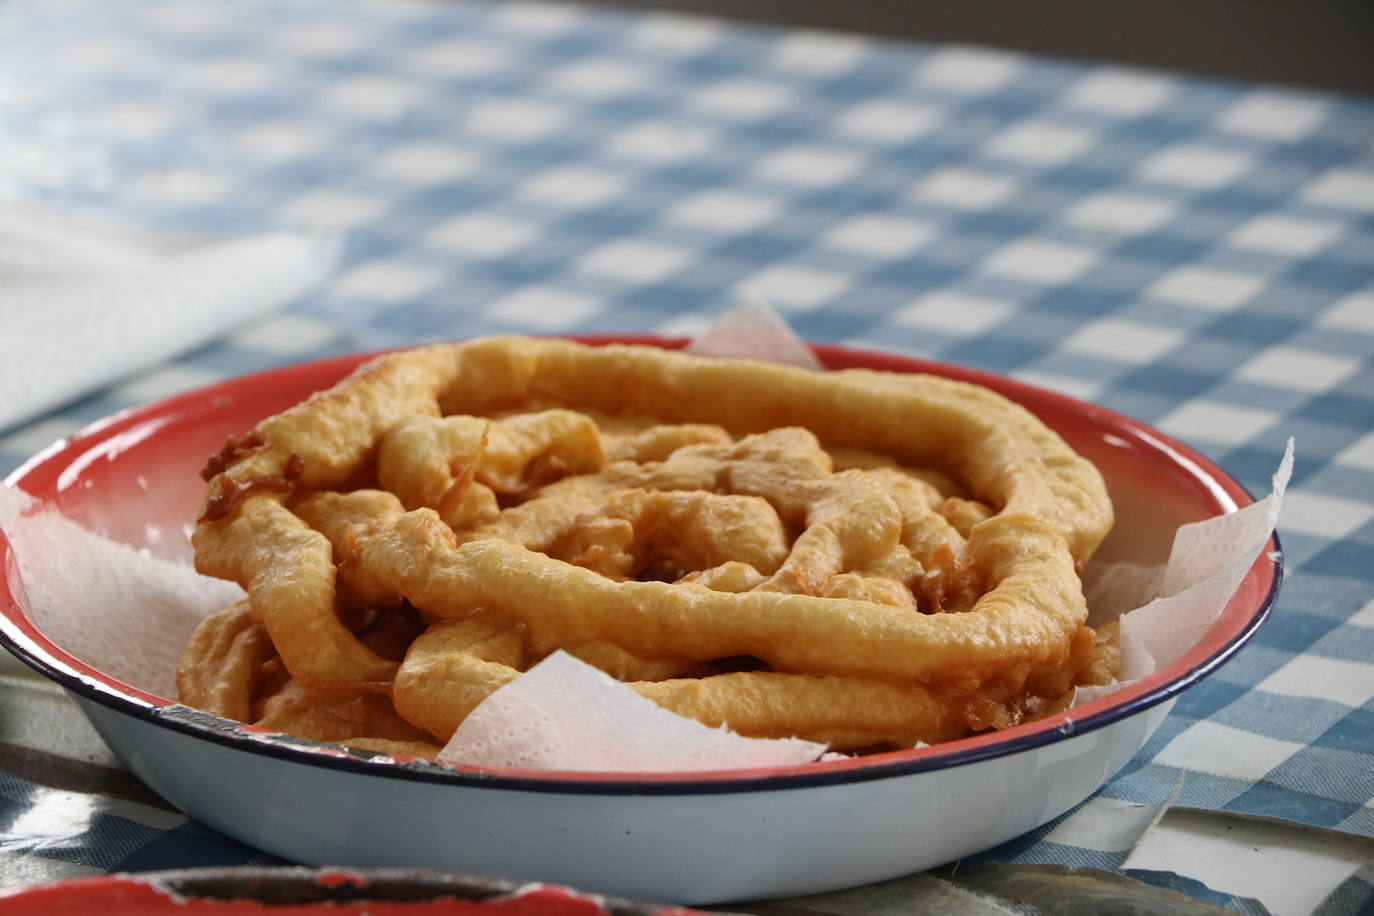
{"x":688,"y":838}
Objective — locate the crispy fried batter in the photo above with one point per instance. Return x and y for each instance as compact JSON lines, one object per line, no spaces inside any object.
{"x":897,"y":554}
{"x":692,"y":529}
{"x":223,"y":663}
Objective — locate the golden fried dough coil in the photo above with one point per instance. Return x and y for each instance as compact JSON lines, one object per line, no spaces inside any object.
{"x":894,"y":555}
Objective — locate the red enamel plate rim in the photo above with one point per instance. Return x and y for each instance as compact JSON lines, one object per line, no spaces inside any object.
{"x":285,"y":890}
{"x":1237,"y":623}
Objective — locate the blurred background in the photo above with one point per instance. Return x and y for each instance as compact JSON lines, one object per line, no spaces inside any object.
{"x":1326,"y":44}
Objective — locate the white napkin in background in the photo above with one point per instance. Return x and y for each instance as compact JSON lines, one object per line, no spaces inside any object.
{"x":82,"y":306}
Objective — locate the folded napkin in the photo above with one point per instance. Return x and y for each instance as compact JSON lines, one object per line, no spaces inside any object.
{"x":81,"y":306}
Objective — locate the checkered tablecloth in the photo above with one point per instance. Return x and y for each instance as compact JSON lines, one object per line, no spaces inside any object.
{"x":1196,"y":254}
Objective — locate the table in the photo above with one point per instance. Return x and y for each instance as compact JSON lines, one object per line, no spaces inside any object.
{"x":1196,"y":254}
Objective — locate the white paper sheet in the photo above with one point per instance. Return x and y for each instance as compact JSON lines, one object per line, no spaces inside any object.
{"x":563,"y":714}
{"x":81,"y":307}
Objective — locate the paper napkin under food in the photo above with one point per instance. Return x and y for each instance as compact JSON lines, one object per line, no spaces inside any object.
{"x":563,"y":714}
{"x":82,"y":306}
{"x":1165,"y":610}
{"x":754,"y":331}
{"x":127,"y":612}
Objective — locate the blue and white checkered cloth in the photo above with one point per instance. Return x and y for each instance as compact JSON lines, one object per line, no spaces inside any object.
{"x":1193,"y":253}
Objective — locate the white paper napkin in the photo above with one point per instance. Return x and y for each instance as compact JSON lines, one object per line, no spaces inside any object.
{"x":1170,"y":608}
{"x":754,"y":331}
{"x":563,"y":714}
{"x":124,"y":610}
{"x":81,"y":305}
